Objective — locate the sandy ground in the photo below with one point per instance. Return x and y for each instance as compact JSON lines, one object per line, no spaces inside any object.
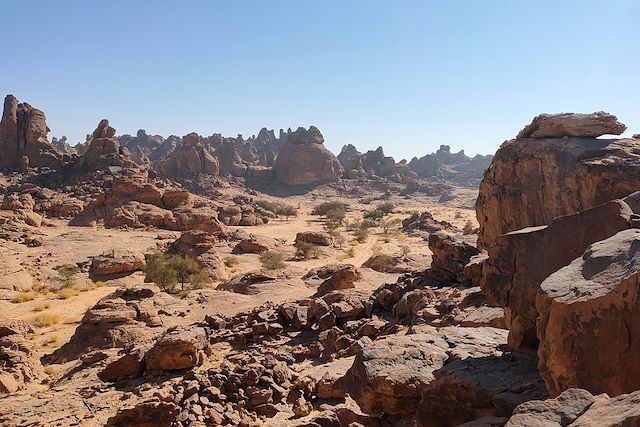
{"x":67,"y":245}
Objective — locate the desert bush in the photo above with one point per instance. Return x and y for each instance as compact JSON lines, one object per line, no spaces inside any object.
{"x":45,"y":319}
{"x":306,"y":250}
{"x":41,"y":306}
{"x":327,"y":206}
{"x":361,"y":234}
{"x":231,"y":261}
{"x":375,"y":215}
{"x":23,"y":297}
{"x":338,"y":238}
{"x":53,"y":339}
{"x":272,"y":260}
{"x":386,"y":207}
{"x":67,"y":292}
{"x":468,"y":228}
{"x":39,"y":287}
{"x":389,"y":224}
{"x":200,"y":280}
{"x":405,"y":250}
{"x":67,"y":273}
{"x":278,"y":208}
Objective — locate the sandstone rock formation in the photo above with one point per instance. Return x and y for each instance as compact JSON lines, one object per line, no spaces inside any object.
{"x":590,"y":319}
{"x":519,"y":261}
{"x":23,"y":133}
{"x":572,"y":125}
{"x":104,"y":151}
{"x":191,"y":157}
{"x":533,"y":180}
{"x":304,"y":160}
{"x":19,"y":362}
{"x":117,"y":262}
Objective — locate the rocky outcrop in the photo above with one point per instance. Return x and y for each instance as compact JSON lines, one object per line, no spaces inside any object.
{"x":351,"y":160}
{"x":578,"y":408}
{"x":304,"y":160}
{"x":199,"y":245}
{"x":589,"y":325}
{"x":320,"y":238}
{"x":190,"y":158}
{"x":23,"y":135}
{"x":116,"y":263}
{"x":179,"y":348}
{"x":104,"y":151}
{"x":533,"y":180}
{"x":450,"y":256}
{"x":572,"y":125}
{"x":125,"y":318}
{"x":19,"y":362}
{"x":519,"y":261}
{"x":400,"y":374}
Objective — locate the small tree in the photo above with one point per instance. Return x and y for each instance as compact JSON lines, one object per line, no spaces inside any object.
{"x":272,"y":260}
{"x":184,"y":268}
{"x":67,"y":274}
{"x":199,"y":280}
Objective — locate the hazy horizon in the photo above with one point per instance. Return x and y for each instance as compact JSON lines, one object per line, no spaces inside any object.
{"x":408,"y":77}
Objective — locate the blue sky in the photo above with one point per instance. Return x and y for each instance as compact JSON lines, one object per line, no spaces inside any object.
{"x":407,"y":75}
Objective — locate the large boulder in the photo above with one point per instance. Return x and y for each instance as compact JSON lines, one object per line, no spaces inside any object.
{"x":450,"y":376}
{"x":519,"y":261}
{"x":117,"y":262}
{"x":572,"y":125}
{"x":23,"y":137}
{"x":532,"y":180}
{"x":191,"y":157}
{"x":450,"y":255}
{"x":304,"y":160}
{"x":589,"y":325}
{"x":578,"y":408}
{"x":180,"y":348}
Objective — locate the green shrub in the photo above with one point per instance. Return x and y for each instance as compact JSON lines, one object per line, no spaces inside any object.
{"x":468,"y":228}
{"x":386,"y":207}
{"x":374,"y":214}
{"x":272,"y":260}
{"x":278,"y":208}
{"x":306,"y":250}
{"x":327,"y":206}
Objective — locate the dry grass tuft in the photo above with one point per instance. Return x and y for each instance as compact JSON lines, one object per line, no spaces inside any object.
{"x":68,"y":292}
{"x":41,"y":306}
{"x":45,"y":319}
{"x":23,"y":297}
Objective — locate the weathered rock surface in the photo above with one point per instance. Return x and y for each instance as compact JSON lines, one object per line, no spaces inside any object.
{"x":590,"y":319}
{"x":321,"y":238}
{"x":572,"y":125}
{"x":199,"y":245}
{"x":519,"y":261}
{"x":531,"y":181}
{"x":400,"y":374}
{"x":304,"y":160}
{"x":19,"y":362}
{"x":578,"y":408}
{"x":117,"y":262}
{"x":180,"y":348}
{"x":191,"y":157}
{"x":124,"y":318}
{"x":450,"y":256}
